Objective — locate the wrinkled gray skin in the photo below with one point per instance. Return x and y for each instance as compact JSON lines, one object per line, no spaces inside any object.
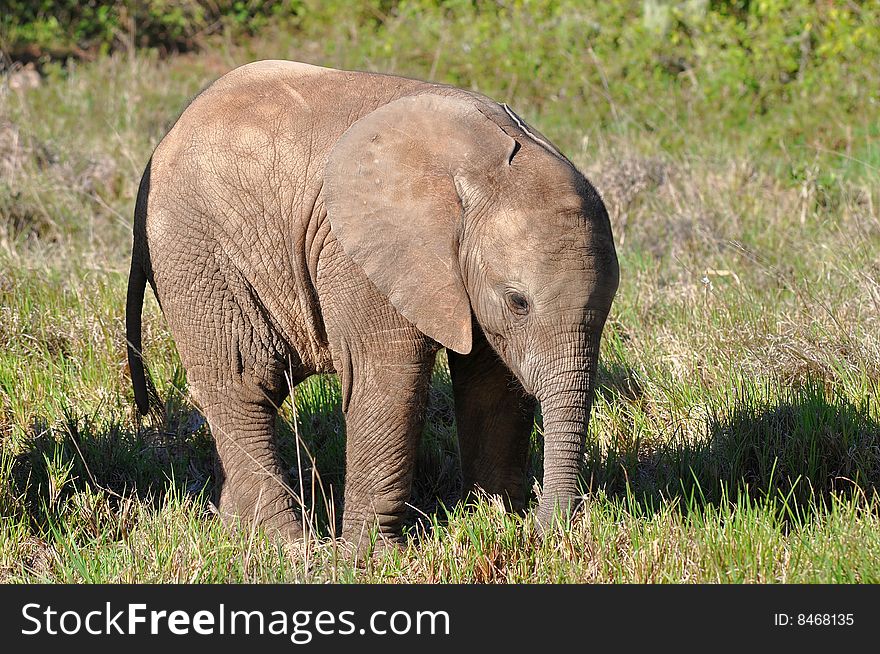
{"x":304,"y":220}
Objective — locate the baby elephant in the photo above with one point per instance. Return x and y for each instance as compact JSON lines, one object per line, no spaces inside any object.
{"x":300,"y":220}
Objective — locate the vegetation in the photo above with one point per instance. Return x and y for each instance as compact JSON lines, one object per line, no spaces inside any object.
{"x":735,"y":434}
{"x":84,"y":29}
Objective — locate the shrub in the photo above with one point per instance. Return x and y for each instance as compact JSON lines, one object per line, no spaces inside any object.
{"x":64,"y":28}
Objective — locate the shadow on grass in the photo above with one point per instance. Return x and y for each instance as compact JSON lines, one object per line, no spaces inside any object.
{"x":800,"y":447}
{"x":82,"y":470}
{"x":107,"y":464}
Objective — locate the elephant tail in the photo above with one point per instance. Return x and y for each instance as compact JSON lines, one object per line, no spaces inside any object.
{"x":145,"y":395}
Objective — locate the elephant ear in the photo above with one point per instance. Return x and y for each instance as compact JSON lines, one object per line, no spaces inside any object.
{"x":391,"y":188}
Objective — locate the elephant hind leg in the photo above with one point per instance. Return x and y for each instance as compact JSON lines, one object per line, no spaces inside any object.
{"x":251,"y":483}
{"x":237,"y":369}
{"x":494,"y":419}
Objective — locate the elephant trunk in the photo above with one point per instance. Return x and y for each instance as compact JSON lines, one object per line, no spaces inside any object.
{"x":566,"y":397}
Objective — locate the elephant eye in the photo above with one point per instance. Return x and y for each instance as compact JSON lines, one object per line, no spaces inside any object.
{"x":517,"y":303}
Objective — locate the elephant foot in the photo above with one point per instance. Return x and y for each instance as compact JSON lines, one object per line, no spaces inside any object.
{"x":289,"y":530}
{"x":277,"y":519}
{"x":365,"y":542}
{"x":284,"y":528}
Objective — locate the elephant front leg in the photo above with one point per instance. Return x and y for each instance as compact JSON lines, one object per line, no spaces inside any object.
{"x":494,"y":419}
{"x":384,"y":415}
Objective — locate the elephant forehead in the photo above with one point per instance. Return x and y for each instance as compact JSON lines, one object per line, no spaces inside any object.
{"x":538,"y":231}
{"x":559,"y":259}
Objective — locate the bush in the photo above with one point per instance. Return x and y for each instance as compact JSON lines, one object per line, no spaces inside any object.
{"x":64,"y":28}
{"x":789,"y":74}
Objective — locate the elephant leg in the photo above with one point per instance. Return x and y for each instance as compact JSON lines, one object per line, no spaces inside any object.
{"x":384,"y":418}
{"x":494,"y":418}
{"x":237,"y":368}
{"x":250,"y":478}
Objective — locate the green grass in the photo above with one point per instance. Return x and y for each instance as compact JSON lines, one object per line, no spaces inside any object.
{"x":736,"y":429}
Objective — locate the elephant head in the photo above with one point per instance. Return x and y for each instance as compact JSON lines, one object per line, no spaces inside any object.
{"x":466,"y":218}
